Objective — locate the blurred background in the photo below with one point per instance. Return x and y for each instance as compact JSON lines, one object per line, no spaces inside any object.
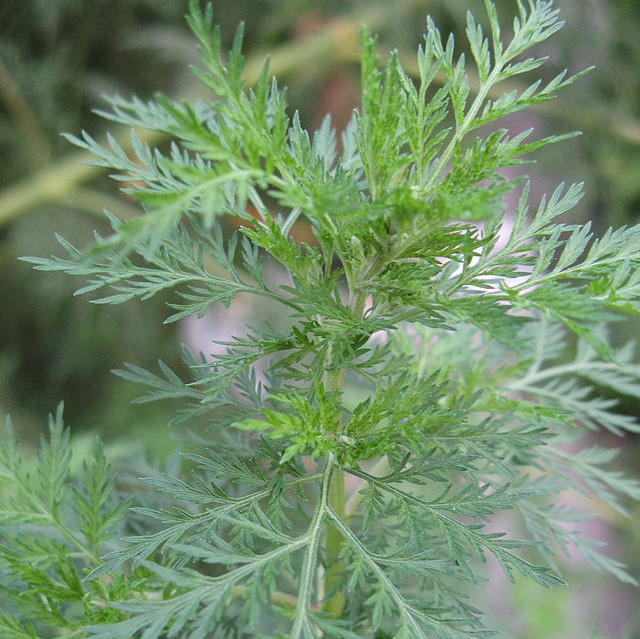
{"x":59,"y":57}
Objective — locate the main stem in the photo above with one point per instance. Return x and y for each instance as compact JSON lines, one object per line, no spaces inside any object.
{"x":333,"y":577}
{"x":334,"y":604}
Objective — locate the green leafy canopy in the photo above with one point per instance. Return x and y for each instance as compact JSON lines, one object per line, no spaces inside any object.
{"x":426,"y":362}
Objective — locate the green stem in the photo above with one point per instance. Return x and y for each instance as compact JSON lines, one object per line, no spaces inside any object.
{"x":334,"y":604}
{"x":312,"y":540}
{"x":333,"y":578}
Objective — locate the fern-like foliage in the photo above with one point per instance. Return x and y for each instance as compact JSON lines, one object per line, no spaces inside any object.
{"x":425,"y":359}
{"x":54,"y":527}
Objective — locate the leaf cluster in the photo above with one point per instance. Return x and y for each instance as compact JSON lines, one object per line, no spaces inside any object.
{"x":54,"y":527}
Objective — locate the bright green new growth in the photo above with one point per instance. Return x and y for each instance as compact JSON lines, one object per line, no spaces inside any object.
{"x":427,"y":359}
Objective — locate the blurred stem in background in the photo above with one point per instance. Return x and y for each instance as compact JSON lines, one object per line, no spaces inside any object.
{"x":25,"y":120}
